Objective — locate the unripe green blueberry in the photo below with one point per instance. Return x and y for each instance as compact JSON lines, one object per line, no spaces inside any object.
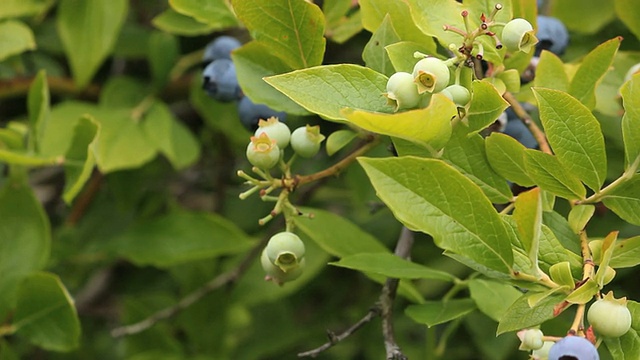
{"x":263,"y":152}
{"x":431,"y":74}
{"x":518,"y":35}
{"x":306,"y":140}
{"x":285,"y":250}
{"x":402,"y":91}
{"x":276,"y":130}
{"x":459,"y":94}
{"x":531,"y":339}
{"x":543,"y":352}
{"x":276,"y":274}
{"x":609,"y":316}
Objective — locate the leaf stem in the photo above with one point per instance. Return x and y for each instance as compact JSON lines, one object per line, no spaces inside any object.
{"x":626,"y":176}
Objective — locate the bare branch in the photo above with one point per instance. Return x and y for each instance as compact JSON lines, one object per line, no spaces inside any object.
{"x":537,"y":133}
{"x":215,"y":283}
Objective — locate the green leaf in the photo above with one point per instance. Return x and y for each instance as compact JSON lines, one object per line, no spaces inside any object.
{"x":584,"y":293}
{"x":391,"y":266}
{"x":39,"y":111}
{"x":528,"y":217}
{"x":27,"y":159}
{"x":630,"y":92}
{"x":80,"y":158}
{"x":467,"y":154}
{"x":15,"y":38}
{"x":88,"y":30}
{"x":123,"y":92}
{"x":493,"y":298}
{"x":548,"y":173}
{"x":579,"y":216}
{"x":592,"y":70}
{"x":561,"y":274}
{"x":374,"y":11}
{"x":179,"y":237}
{"x":561,"y":229}
{"x":439,"y":312}
{"x":625,"y":347}
{"x":175,"y":23}
{"x":62,"y":121}
{"x":606,"y":252}
{"x":430,"y":126}
{"x":401,"y":54}
{"x":628,"y":12}
{"x":21,"y":8}
{"x":215,"y":13}
{"x":550,"y":72}
{"x":574,"y":134}
{"x":624,"y":200}
{"x":326,"y":90}
{"x":431,"y":196}
{"x":163,"y":53}
{"x":374,"y":54}
{"x":170,"y":136}
{"x":583,"y":16}
{"x":338,"y":140}
{"x":337,"y":235}
{"x":521,"y":316}
{"x":25,"y":239}
{"x":626,"y":253}
{"x":486,"y":105}
{"x":253,"y":62}
{"x":46,"y":314}
{"x":291,"y":30}
{"x":123,"y":143}
{"x":506,"y":157}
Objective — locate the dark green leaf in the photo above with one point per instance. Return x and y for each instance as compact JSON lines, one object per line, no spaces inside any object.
{"x":80,"y":159}
{"x":630,"y":92}
{"x":178,"y":24}
{"x":521,"y":316}
{"x":493,"y":298}
{"x":629,"y":13}
{"x":374,"y":54}
{"x":391,"y":266}
{"x":584,"y":16}
{"x":38,"y":103}
{"x":88,"y":30}
{"x":438,"y":312}
{"x":25,"y":239}
{"x":163,"y":53}
{"x":46,"y":314}
{"x":431,"y":196}
{"x":337,"y":235}
{"x":15,"y":38}
{"x":180,"y":237}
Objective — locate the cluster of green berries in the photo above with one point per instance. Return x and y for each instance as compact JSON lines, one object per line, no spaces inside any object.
{"x":283,"y":257}
{"x":272,"y":137}
{"x":608,"y":317}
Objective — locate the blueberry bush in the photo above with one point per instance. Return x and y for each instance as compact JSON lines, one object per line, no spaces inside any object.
{"x":341,"y":179}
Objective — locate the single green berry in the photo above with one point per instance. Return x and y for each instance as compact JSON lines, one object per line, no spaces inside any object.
{"x":276,"y":130}
{"x":263,"y":152}
{"x":459,"y":94}
{"x":276,"y":274}
{"x":543,"y":352}
{"x":609,"y":316}
{"x":530,"y":339}
{"x":518,"y":35}
{"x":306,"y":140}
{"x":285,"y":250}
{"x":431,"y":74}
{"x":402,"y":91}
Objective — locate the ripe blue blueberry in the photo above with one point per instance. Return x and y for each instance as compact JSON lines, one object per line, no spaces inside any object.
{"x":220,"y":48}
{"x":552,"y":35}
{"x":573,"y":348}
{"x":220,"y":81}
{"x":250,"y":113}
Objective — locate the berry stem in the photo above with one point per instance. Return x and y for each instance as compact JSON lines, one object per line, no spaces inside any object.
{"x":578,"y":320}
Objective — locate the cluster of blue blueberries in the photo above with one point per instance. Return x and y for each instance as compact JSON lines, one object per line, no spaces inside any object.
{"x":552,"y":36}
{"x":221,"y":82}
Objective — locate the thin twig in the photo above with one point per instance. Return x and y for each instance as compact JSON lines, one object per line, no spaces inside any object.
{"x":216,"y":283}
{"x":383,"y":307}
{"x":537,"y":133}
